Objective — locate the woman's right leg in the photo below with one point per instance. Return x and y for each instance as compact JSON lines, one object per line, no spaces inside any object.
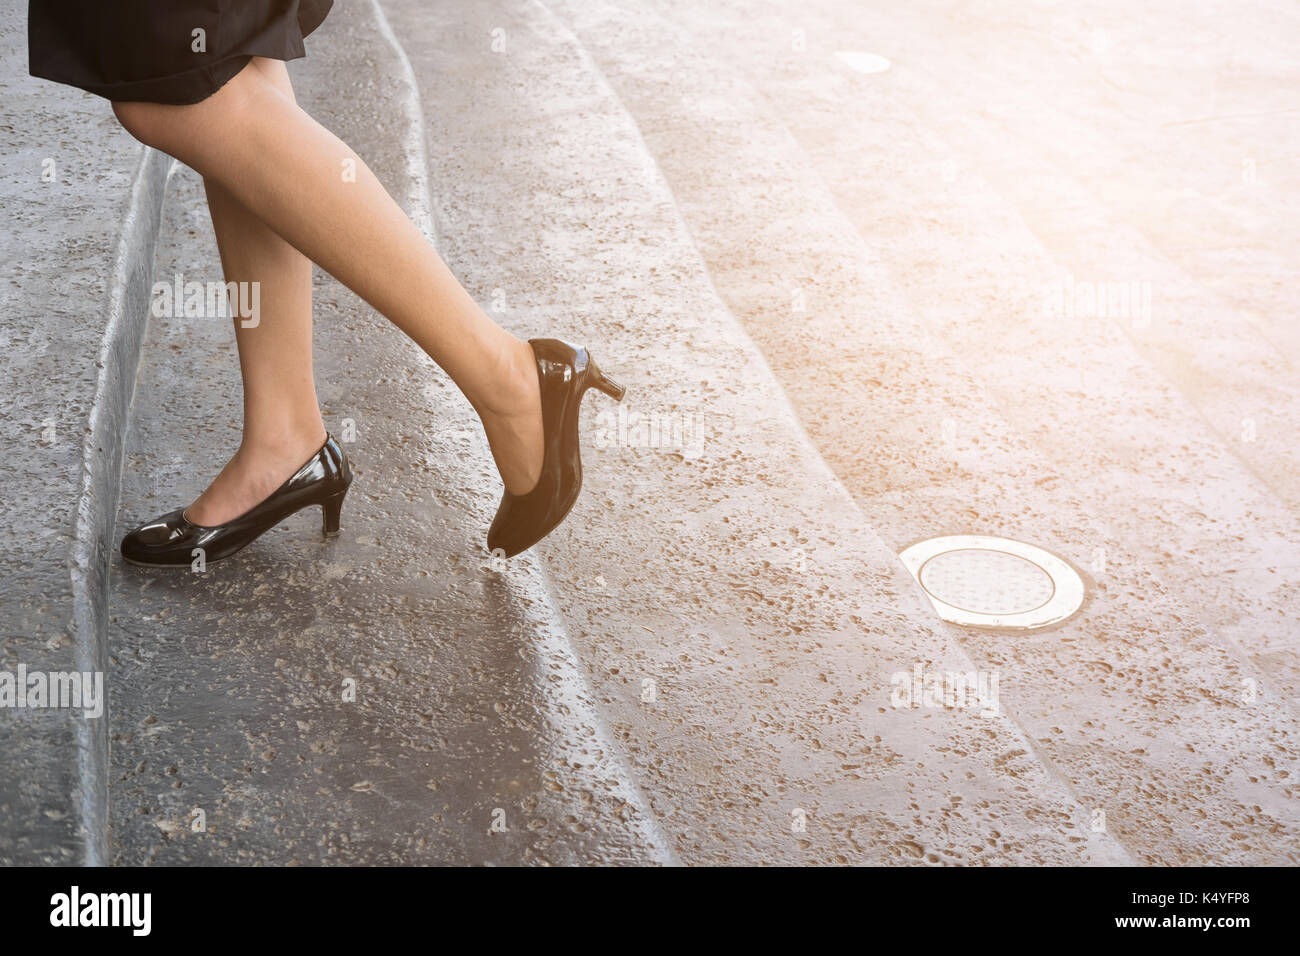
{"x":316,"y":193}
{"x":282,"y":422}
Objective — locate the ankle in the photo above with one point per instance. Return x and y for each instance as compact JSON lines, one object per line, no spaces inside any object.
{"x":513,"y":383}
{"x":280,"y":438}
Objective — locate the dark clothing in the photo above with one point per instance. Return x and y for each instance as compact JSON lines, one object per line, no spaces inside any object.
{"x":162,"y":51}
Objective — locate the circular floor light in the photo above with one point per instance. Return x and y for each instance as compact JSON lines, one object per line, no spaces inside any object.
{"x":981,"y":581}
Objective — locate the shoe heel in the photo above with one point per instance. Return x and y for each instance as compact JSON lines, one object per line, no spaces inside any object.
{"x":597,"y":379}
{"x":331,"y":508}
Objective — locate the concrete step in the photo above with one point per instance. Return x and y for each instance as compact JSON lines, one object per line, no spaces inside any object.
{"x":229,"y":687}
{"x":933,"y":429}
{"x":697,"y":667}
{"x":81,"y":201}
{"x":729,"y":574}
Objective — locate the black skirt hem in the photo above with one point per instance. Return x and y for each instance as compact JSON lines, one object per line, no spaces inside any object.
{"x":183,"y":89}
{"x":197,"y":84}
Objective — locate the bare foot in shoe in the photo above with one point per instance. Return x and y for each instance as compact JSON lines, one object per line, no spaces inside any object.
{"x":252,"y":475}
{"x":514,"y":424}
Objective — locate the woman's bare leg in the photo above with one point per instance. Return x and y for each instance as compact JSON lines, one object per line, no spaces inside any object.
{"x":317,"y":194}
{"x":282,"y":422}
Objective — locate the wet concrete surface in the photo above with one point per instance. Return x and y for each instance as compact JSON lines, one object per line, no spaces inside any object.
{"x":830,"y":295}
{"x":948,"y":399}
{"x":64,"y":190}
{"x":471,"y":737}
{"x":730,"y":571}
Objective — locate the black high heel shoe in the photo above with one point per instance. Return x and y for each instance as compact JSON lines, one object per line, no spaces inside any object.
{"x":564,"y":373}
{"x":169,"y":541}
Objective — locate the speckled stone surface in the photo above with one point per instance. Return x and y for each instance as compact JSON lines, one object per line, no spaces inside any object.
{"x":65,"y":189}
{"x":830,"y":294}
{"x":471,"y":738}
{"x":913,"y":229}
{"x":735,"y":572}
